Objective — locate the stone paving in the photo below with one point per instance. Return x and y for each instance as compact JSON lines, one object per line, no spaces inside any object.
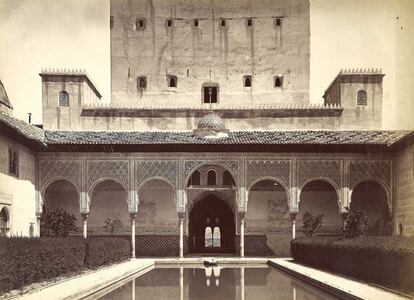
{"x":335,"y":283}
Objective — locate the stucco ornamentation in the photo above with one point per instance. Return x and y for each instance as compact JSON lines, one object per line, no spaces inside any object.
{"x":60,"y":169}
{"x":379,"y":170}
{"x":279,"y":169}
{"x":116,"y":169}
{"x":319,"y":169}
{"x":166,"y":169}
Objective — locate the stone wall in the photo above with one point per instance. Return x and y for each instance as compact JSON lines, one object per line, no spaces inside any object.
{"x":210,"y":52}
{"x":404,"y":191}
{"x":17,"y":193}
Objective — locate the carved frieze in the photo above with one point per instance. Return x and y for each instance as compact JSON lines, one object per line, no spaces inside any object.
{"x":279,"y":169}
{"x":60,"y":168}
{"x":166,"y":169}
{"x":116,"y":169}
{"x":361,"y":170}
{"x":319,"y":169}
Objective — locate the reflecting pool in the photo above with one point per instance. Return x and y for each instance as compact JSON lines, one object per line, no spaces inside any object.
{"x":256,"y":282}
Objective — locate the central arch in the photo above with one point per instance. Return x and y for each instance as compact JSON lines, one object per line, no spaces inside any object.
{"x":212,"y":227}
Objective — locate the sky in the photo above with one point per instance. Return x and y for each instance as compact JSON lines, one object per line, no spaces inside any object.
{"x":75,"y":34}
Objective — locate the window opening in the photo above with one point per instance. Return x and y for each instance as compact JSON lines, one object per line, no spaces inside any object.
{"x":172,"y":81}
{"x":140,"y":24}
{"x":195,"y":178}
{"x":227,"y":179}
{"x":141,"y":82}
{"x":210,"y":94}
{"x":223,"y":23}
{"x":362,"y":98}
{"x":13,"y":162}
{"x":247,"y":81}
{"x":63,"y":98}
{"x":3,"y":222}
{"x":208,"y":237}
{"x":111,"y":22}
{"x":216,"y":237}
{"x":211,"y":178}
{"x":400,"y":229}
{"x":169,"y":23}
{"x":249,"y":22}
{"x":278,"y":22}
{"x":195,"y":23}
{"x":278,"y":81}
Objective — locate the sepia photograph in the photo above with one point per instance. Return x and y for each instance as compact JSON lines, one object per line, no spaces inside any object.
{"x":206,"y":149}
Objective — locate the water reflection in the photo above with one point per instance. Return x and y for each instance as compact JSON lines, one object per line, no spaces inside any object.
{"x":216,"y":283}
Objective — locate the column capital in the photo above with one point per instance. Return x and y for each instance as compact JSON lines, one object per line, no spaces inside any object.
{"x":133,"y":215}
{"x":181,"y":215}
{"x":293,"y":215}
{"x":84,"y":215}
{"x":242,"y":215}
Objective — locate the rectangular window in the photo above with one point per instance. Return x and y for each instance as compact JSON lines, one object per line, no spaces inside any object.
{"x":141,"y":82}
{"x":140,"y":24}
{"x":247,"y":81}
{"x":278,"y":22}
{"x":169,"y":23}
{"x":14,"y":162}
{"x":172,"y":81}
{"x":223,"y":23}
{"x":195,"y":23}
{"x":210,"y":94}
{"x":249,"y":22}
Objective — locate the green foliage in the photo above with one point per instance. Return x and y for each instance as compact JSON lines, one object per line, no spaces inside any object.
{"x":311,"y":223}
{"x":384,"y":260}
{"x":112,"y":226}
{"x":58,"y":223}
{"x":27,"y":260}
{"x":356,"y":223}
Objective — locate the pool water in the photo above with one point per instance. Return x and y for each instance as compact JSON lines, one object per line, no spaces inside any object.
{"x":256,"y":282}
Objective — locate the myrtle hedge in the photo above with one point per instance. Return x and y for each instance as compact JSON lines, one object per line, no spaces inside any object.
{"x":383,"y":260}
{"x":24,"y":261}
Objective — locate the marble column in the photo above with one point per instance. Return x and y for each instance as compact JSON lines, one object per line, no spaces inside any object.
{"x":85,"y":224}
{"x":133,"y":217}
{"x":38,"y":216}
{"x":293,"y":219}
{"x":181,"y":225}
{"x":242,"y":215}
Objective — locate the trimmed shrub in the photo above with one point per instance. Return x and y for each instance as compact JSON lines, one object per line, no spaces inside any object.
{"x":311,"y":223}
{"x":24,"y":261}
{"x":27,"y":260}
{"x":102,"y":250}
{"x":383,"y":260}
{"x":58,"y":222}
{"x":356,"y":223}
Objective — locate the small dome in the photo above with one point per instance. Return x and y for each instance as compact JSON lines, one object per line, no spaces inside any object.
{"x":211,"y":121}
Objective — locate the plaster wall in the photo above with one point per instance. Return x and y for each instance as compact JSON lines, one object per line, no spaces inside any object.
{"x":362,"y":117}
{"x":18,"y":194}
{"x":404,"y":191}
{"x":210,"y":52}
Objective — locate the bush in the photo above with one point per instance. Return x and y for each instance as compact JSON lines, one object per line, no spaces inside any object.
{"x":384,"y":260}
{"x":27,"y":260}
{"x":59,"y":222}
{"x":112,"y":226}
{"x":24,"y":261}
{"x":311,"y":223}
{"x":106,"y":250}
{"x":356,"y":223}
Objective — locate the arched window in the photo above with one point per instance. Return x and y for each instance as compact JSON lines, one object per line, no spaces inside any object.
{"x":227,"y":178}
{"x":3,"y":222}
{"x":208,"y":237}
{"x":278,"y":81}
{"x":63,"y":98}
{"x":195,"y":178}
{"x":362,"y":98}
{"x":247,"y":80}
{"x":211,"y":178}
{"x":216,"y":237}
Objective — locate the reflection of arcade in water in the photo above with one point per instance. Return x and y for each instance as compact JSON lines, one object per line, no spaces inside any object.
{"x":259,"y":282}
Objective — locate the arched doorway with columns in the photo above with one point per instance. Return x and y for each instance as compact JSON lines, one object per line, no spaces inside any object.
{"x":211,"y":210}
{"x":212,"y":227}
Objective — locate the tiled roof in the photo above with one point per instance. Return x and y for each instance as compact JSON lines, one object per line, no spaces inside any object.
{"x":308,"y":137}
{"x":28,"y":132}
